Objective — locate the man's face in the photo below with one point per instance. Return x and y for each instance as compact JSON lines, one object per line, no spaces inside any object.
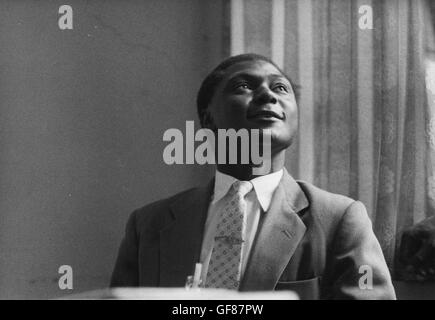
{"x":255,"y":95}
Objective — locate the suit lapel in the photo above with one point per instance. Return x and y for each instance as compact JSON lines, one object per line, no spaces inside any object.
{"x":278,"y":236}
{"x":180,"y":241}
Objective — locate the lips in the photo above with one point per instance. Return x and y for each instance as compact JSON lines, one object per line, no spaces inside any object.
{"x":265,"y":114}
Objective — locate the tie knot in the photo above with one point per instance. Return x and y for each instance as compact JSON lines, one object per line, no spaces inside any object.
{"x":242,"y":187}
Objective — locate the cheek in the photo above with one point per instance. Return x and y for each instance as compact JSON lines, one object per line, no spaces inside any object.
{"x":232,"y":109}
{"x":292,"y":113}
{"x":236,"y":104}
{"x":292,"y":110}
{"x":290,"y":107}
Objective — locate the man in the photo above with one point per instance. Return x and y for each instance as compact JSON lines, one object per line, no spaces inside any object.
{"x":250,"y":232}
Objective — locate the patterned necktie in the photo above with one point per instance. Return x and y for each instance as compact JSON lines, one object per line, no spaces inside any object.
{"x":225,"y":262}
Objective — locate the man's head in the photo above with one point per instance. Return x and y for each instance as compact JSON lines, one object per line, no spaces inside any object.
{"x":249,"y":91}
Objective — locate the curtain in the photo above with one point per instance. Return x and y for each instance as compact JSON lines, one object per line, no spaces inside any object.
{"x":365,"y":128}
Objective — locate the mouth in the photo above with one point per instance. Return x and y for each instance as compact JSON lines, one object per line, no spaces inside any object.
{"x":266,"y":115}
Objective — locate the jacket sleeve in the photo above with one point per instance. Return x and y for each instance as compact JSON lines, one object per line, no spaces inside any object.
{"x":125,"y":273}
{"x":358,"y":267}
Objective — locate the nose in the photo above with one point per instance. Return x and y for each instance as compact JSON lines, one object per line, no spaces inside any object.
{"x":264,"y":95}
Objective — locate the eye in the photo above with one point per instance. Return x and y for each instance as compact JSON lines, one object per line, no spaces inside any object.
{"x":242,"y":85}
{"x":280,"y":87}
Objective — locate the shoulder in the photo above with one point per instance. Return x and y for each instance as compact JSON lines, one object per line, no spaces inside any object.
{"x":326,"y":200}
{"x":155,"y":215}
{"x":164,"y":203}
{"x":331,"y":209}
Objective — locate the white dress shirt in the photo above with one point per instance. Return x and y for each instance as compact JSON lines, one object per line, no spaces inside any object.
{"x":257,"y":201}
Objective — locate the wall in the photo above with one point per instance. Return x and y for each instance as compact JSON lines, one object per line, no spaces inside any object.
{"x":82,"y":115}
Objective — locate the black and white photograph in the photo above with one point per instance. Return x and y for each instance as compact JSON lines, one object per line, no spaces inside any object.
{"x":244,"y":150}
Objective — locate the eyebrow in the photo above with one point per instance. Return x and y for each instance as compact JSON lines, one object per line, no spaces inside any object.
{"x":249,"y":76}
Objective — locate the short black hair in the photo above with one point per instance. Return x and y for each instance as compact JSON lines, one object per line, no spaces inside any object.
{"x":208,"y":86}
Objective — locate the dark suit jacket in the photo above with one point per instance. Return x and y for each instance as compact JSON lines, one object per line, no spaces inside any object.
{"x":309,"y":241}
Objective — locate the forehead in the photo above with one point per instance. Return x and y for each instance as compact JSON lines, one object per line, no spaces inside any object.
{"x":255,"y":68}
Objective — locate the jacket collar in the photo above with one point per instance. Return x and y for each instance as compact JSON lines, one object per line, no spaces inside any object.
{"x":278,"y":236}
{"x":181,"y":239}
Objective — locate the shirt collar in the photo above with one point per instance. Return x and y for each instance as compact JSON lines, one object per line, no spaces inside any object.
{"x":264,"y":186}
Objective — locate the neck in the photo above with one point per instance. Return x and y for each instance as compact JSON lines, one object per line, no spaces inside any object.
{"x":245,"y":172}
